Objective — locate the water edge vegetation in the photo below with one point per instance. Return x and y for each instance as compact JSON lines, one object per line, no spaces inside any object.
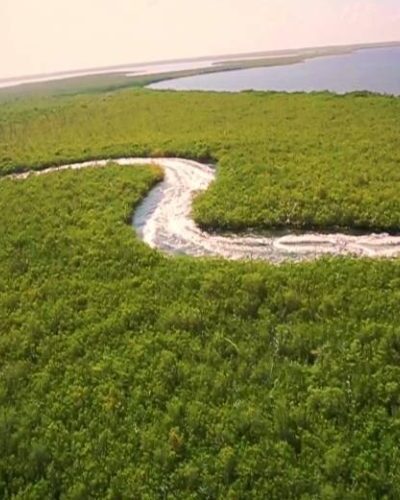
{"x":128,"y":374}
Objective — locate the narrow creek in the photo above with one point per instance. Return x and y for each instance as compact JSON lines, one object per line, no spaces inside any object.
{"x":163,"y":220}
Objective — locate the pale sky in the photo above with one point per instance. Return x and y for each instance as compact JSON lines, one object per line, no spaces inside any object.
{"x":39,"y":36}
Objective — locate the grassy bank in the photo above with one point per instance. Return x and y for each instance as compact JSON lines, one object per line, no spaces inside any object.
{"x":126,"y":374}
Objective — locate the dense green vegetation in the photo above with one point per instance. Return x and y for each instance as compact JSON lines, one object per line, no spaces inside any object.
{"x":298,"y":161}
{"x":127,"y":374}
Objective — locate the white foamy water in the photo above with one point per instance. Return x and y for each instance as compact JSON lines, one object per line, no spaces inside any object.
{"x":163,"y":220}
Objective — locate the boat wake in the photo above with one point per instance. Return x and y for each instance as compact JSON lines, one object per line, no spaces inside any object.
{"x":163,"y":220}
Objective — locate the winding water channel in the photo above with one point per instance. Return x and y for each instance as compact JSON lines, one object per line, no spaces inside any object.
{"x":163,"y":220}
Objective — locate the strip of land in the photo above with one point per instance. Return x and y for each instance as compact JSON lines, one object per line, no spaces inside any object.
{"x":140,"y":75}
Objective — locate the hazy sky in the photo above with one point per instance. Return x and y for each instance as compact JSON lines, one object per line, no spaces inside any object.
{"x":39,"y":36}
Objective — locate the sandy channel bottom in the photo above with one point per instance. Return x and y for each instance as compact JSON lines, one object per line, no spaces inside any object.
{"x":163,"y":220}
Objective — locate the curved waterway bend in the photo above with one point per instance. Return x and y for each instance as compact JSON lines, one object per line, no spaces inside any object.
{"x":163,"y":220}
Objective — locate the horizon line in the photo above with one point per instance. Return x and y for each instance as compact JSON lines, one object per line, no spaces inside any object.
{"x":71,"y":72}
